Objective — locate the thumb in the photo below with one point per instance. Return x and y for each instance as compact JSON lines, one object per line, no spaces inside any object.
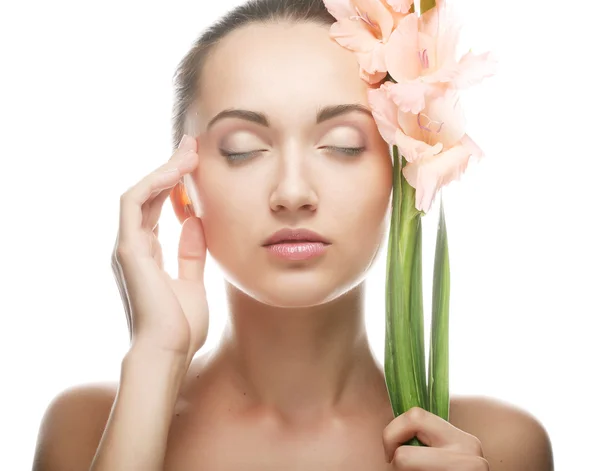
{"x":191,"y":254}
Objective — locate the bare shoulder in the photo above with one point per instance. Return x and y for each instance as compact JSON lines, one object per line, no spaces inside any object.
{"x":74,"y":422}
{"x":72,"y":426}
{"x":511,"y":438}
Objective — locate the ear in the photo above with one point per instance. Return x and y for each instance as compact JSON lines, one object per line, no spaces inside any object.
{"x":180,"y":201}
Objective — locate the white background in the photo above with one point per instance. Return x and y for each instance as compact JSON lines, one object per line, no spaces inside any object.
{"x":85,"y":112}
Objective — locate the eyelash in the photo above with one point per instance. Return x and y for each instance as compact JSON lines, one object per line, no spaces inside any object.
{"x":233,"y":156}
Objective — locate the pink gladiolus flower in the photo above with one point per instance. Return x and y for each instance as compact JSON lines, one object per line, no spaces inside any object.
{"x":364,"y":27}
{"x":433,"y":141}
{"x":421,"y":56}
{"x":401,"y":6}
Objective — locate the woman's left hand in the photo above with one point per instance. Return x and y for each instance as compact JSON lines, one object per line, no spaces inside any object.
{"x":448,"y":448}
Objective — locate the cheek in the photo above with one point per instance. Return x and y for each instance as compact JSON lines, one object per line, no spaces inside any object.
{"x":226,"y":206}
{"x":361,"y":214}
{"x":367,"y":197}
{"x":364,"y":219}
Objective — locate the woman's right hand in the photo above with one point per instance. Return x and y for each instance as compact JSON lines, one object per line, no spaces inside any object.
{"x":163,"y":313}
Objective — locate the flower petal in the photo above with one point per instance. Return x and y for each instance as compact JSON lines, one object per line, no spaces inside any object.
{"x":473,"y":68}
{"x":474,"y":149}
{"x":412,"y":149}
{"x":372,"y":78}
{"x":443,"y":76}
{"x":401,"y":6}
{"x":429,"y":22}
{"x":402,"y":50}
{"x":428,"y":175}
{"x":447,"y":43}
{"x":410,"y":96}
{"x":410,"y":126}
{"x":340,"y":8}
{"x":445,"y":109}
{"x":373,"y":61}
{"x":384,"y":112}
{"x":406,"y":122}
{"x":353,"y":34}
{"x":378,"y":14}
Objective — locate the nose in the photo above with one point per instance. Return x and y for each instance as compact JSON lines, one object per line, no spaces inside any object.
{"x":294,"y":189}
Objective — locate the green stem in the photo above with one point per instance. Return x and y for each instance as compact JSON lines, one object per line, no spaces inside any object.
{"x":404,"y":352}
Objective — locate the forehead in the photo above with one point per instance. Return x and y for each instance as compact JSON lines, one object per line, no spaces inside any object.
{"x":277,"y":68}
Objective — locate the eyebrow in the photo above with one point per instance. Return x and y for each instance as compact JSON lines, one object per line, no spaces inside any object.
{"x":323,"y":114}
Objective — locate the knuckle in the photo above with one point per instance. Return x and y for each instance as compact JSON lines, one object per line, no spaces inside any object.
{"x":415,"y":414}
{"x":124,"y":199}
{"x":402,"y":457}
{"x":125,"y":195}
{"x":476,"y":446}
{"x":388,"y":435}
{"x":122,"y":252}
{"x":482,"y":464}
{"x":129,"y":195}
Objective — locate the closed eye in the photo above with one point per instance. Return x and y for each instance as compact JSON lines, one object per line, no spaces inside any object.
{"x":235,"y":156}
{"x":346,"y":150}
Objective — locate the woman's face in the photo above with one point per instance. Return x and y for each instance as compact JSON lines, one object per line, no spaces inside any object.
{"x":290,"y":174}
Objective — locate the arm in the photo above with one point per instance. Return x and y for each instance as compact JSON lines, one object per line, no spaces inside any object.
{"x":138,"y":427}
{"x":135,"y":435}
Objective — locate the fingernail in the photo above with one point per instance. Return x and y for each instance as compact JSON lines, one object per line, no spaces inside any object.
{"x":183,"y":141}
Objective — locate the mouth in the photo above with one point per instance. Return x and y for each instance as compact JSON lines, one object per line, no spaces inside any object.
{"x":297,"y":250}
{"x":296,"y":244}
{"x":295,"y":236}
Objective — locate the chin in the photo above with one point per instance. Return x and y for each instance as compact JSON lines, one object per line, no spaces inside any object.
{"x":296,"y":289}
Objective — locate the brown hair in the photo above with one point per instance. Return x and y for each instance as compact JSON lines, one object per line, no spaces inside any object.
{"x":187,"y":74}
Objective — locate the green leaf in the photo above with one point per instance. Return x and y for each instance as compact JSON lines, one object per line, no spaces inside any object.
{"x":393,"y":299}
{"x":439,"y":387}
{"x":416,"y":314}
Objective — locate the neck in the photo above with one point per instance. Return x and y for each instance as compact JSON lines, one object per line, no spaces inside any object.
{"x":302,"y":362}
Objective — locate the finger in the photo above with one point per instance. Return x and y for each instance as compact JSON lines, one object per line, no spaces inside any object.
{"x":157,"y":249}
{"x":152,"y":209}
{"x":419,"y":458}
{"x":153,"y":206}
{"x":430,"y":429}
{"x":192,"y":250}
{"x":159,"y":196}
{"x":163,"y":178}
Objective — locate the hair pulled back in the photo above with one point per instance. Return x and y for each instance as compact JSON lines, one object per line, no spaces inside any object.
{"x":187,"y":74}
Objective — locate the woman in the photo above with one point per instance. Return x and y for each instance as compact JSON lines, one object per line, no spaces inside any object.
{"x":283,"y":141}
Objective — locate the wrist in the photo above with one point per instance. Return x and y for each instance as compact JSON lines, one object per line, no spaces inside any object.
{"x":141,"y":347}
{"x":148,"y":360}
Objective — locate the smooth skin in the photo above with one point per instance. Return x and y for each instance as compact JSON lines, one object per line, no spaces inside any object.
{"x":138,"y":264}
{"x":293,"y":383}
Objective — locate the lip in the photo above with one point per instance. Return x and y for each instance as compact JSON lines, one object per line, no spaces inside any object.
{"x":289,"y":235}
{"x":291,"y":250}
